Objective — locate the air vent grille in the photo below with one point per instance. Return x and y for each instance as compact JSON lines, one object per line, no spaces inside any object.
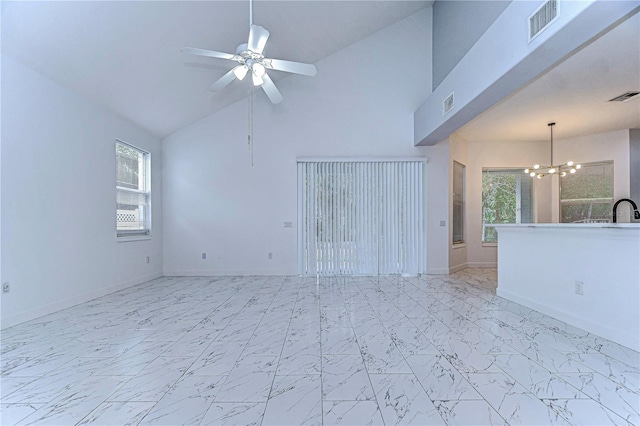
{"x":542,"y":18}
{"x":447,"y":104}
{"x":624,"y":97}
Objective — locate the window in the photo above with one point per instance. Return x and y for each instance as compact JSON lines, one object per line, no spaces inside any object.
{"x":361,"y":217}
{"x":458,"y":202}
{"x":133,"y":191}
{"x":507,"y":197}
{"x":587,"y":196}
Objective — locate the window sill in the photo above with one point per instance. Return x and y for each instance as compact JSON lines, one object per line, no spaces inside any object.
{"x":126,"y":239}
{"x":489,"y":244}
{"x":459,"y":245}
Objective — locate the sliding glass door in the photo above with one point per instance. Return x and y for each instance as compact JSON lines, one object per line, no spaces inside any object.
{"x":361,"y":217}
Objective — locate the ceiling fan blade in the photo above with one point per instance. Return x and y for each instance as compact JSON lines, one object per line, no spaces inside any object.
{"x":271,"y":90}
{"x":208,"y":53}
{"x":258,"y":37}
{"x":290,"y":66}
{"x":223,"y":81}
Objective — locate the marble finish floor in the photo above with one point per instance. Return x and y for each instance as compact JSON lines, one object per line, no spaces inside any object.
{"x":294,"y":350}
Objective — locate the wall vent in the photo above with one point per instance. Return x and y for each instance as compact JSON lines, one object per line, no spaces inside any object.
{"x":624,"y":97}
{"x":542,"y":18}
{"x":447,"y":104}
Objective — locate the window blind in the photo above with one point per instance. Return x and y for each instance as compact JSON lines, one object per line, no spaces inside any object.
{"x":361,"y":217}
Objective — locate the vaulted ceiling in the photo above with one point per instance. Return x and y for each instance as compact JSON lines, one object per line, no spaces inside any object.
{"x":126,"y":55}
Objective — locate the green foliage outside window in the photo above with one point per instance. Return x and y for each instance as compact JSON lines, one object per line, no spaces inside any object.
{"x":499,"y":202}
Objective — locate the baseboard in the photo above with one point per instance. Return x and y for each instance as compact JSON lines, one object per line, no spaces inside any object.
{"x":60,"y":305}
{"x":224,"y":273}
{"x":613,"y":334}
{"x":457,"y":268}
{"x":482,"y":264}
{"x":437,"y":271}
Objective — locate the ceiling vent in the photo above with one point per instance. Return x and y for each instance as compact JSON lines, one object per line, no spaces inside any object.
{"x":624,"y":97}
{"x":447,"y":104}
{"x":542,"y":18}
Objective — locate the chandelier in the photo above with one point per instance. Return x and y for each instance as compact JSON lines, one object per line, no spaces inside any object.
{"x":561,"y":170}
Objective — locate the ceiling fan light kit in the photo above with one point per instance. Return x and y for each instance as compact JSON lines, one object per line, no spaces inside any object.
{"x":251,"y":59}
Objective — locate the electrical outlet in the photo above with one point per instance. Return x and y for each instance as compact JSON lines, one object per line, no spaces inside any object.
{"x":6,"y":288}
{"x":204,"y":256}
{"x":580,"y":288}
{"x":443,"y":223}
{"x":270,"y":255}
{"x":288,"y":224}
{"x":148,"y":259}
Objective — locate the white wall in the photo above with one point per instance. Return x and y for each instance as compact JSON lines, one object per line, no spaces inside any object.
{"x":360,"y":104}
{"x":450,"y":44}
{"x":605,"y":259}
{"x":58,"y":198}
{"x":601,"y":147}
{"x":486,"y":75}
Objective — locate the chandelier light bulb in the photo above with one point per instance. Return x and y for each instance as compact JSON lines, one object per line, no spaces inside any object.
{"x":562,"y":169}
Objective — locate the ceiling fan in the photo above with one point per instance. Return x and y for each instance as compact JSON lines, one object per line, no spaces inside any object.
{"x":251,"y":60}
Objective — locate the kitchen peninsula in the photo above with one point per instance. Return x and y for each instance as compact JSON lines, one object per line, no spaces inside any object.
{"x":587,"y":275}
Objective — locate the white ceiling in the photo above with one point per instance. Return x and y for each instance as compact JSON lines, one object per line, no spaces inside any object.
{"x":574,"y":94}
{"x":126,"y":55}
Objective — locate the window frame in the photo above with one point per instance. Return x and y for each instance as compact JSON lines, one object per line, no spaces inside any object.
{"x":520,"y":176}
{"x":135,"y":234}
{"x":462,"y":203}
{"x":610,"y":199}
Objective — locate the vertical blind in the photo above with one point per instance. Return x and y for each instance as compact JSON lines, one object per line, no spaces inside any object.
{"x":361,"y":217}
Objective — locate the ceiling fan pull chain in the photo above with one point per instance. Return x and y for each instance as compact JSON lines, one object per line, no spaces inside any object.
{"x":250,"y":133}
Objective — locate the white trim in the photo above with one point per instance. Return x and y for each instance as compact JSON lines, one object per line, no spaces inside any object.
{"x":128,"y":239}
{"x":31,"y":314}
{"x":225,"y":273}
{"x":613,"y":333}
{"x":457,"y":268}
{"x":482,"y":264}
{"x":438,"y":271}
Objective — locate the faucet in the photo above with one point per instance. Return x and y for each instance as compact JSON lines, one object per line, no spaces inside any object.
{"x":636,"y":213}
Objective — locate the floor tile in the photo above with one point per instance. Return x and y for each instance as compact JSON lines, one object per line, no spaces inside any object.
{"x":351,"y":413}
{"x":294,"y":400}
{"x":186,"y":402}
{"x":344,"y":377}
{"x":235,"y":413}
{"x":469,"y":412}
{"x":120,"y":413}
{"x":402,"y":400}
{"x":313,"y":350}
{"x":584,"y":412}
{"x":440,"y":379}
